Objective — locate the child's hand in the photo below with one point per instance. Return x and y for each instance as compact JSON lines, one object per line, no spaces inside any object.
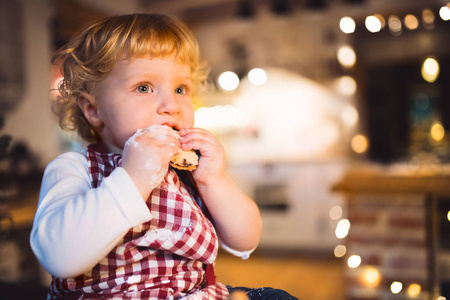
{"x":211,"y":163}
{"x":239,"y":229}
{"x":146,"y":156}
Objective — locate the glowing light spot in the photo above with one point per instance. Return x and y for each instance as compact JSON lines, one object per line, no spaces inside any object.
{"x":414,"y":290}
{"x":437,"y":132}
{"x":360,"y":143}
{"x":428,"y":16}
{"x":430,"y":69}
{"x":381,"y":19}
{"x":396,"y":287}
{"x":373,"y":24}
{"x":340,"y":250}
{"x":344,"y":223}
{"x":347,"y":25}
{"x":444,"y":13}
{"x":228,"y":81}
{"x":431,"y":65}
{"x":448,"y":215}
{"x":346,"y":85}
{"x":336,"y":212}
{"x":395,"y":25}
{"x":346,"y":56}
{"x":371,"y":277}
{"x":342,"y":228}
{"x":411,"y":22}
{"x":257,"y":76}
{"x":441,"y":298}
{"x":428,"y":19}
{"x":350,"y":115}
{"x":354,"y":261}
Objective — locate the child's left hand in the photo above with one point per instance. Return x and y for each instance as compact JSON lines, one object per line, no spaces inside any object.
{"x":211,"y":163}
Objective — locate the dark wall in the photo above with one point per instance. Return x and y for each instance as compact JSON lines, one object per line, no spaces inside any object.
{"x":389,"y":74}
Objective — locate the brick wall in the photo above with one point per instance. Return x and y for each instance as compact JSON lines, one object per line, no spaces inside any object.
{"x":388,"y":232}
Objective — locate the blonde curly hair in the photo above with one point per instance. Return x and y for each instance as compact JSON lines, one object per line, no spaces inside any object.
{"x":91,"y":55}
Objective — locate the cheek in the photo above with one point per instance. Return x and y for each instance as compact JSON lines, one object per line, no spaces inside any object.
{"x":125,"y":124}
{"x":189,"y":115}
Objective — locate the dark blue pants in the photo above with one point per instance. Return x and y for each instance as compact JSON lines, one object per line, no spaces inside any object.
{"x":265,"y":293}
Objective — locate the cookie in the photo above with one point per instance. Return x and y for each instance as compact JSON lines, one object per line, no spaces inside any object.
{"x":185,"y":160}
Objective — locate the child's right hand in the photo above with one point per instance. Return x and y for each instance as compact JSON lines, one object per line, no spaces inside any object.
{"x":146,"y":156}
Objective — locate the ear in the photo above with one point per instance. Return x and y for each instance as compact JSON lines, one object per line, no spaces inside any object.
{"x":88,"y":106}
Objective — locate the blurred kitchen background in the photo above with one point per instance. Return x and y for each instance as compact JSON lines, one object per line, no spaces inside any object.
{"x":335,"y":115}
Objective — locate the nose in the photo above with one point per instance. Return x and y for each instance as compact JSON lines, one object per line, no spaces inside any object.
{"x":169,"y":104}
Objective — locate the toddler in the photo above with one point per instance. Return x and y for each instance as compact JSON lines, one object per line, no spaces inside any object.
{"x":115,"y":221}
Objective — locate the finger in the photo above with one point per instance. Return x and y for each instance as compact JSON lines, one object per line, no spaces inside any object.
{"x":199,"y":143}
{"x":207,"y":150}
{"x":197,"y":134}
{"x":185,"y":131}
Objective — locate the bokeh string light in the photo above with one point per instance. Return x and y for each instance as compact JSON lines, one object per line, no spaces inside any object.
{"x":336,"y":212}
{"x":354,"y":261}
{"x":437,"y":131}
{"x":396,"y":287}
{"x":340,"y":251}
{"x":430,"y":69}
{"x":414,"y":290}
{"x":228,"y":81}
{"x":257,"y":76}
{"x":346,"y":85}
{"x":444,"y":13}
{"x":376,"y":22}
{"x":411,"y":22}
{"x":346,"y":56}
{"x":347,"y":25}
{"x":342,"y":228}
{"x":428,"y":19}
{"x":370,"y":277}
{"x":373,"y":24}
{"x":396,"y":25}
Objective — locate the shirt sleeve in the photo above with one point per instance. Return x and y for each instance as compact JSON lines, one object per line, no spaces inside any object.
{"x":242,"y":254}
{"x":75,"y":225}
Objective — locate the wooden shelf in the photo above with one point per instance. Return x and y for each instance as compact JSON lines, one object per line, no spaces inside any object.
{"x":387,"y":180}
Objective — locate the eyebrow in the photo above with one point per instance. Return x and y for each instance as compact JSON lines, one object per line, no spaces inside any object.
{"x":153,"y":76}
{"x":139,"y":75}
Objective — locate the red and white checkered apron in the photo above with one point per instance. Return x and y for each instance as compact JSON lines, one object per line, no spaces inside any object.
{"x":163,"y":258}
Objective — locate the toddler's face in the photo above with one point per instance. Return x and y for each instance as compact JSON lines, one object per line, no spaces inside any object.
{"x":143,"y":92}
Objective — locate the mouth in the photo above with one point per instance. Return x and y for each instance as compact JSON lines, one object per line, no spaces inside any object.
{"x":172,"y":125}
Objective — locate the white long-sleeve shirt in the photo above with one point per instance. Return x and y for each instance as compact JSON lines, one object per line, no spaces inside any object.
{"x":75,"y":225}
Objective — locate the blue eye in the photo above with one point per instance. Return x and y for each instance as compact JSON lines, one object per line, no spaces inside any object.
{"x":144,"y":89}
{"x":183,"y":89}
{"x":180,"y":91}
